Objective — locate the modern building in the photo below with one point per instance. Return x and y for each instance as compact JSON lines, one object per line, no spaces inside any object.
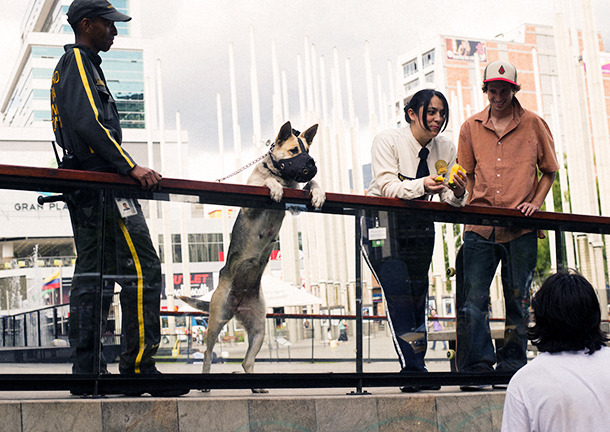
{"x":544,"y":56}
{"x":36,"y":239}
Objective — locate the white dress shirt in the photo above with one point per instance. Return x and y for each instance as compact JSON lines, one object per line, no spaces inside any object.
{"x":396,"y":151}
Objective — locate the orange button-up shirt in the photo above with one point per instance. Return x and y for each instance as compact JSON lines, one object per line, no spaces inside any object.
{"x":505,"y":167}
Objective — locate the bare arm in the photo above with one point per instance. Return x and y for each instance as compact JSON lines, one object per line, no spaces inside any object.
{"x":544,"y":185}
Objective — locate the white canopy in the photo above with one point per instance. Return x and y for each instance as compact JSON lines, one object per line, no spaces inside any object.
{"x":278,"y":293}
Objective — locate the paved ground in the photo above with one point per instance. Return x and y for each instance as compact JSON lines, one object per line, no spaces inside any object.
{"x":379,"y":356}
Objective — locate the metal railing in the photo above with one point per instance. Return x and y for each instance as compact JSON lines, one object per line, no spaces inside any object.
{"x":54,"y":180}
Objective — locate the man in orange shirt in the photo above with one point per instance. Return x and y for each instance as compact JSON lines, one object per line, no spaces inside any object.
{"x":502,"y":148}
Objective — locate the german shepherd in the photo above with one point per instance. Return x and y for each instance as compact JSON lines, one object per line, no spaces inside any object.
{"x":254,"y":234}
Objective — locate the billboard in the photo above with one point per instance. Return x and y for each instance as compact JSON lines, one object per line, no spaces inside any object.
{"x":463,"y":49}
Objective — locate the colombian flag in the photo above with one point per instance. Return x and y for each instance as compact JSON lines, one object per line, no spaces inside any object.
{"x":52,"y":282}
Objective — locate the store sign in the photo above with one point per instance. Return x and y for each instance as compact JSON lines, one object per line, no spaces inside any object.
{"x":30,"y":207}
{"x":201,"y":283}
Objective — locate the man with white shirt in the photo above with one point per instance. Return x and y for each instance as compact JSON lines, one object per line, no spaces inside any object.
{"x":567,"y":386}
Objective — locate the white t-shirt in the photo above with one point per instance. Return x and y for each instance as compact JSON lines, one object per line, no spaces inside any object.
{"x":567,"y":391}
{"x":396,"y":151}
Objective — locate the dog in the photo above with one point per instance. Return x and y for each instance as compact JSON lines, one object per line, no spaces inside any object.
{"x":254,"y":234}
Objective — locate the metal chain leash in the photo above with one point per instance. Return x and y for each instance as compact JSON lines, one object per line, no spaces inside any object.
{"x":234,"y":173}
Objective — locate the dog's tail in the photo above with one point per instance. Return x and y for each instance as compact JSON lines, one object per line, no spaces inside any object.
{"x":196,"y":303}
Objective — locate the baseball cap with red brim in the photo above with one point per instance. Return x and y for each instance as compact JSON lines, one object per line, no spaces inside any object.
{"x":500,"y":71}
{"x":80,"y":9}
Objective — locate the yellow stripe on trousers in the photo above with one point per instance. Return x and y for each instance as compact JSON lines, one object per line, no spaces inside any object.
{"x":138,"y":266}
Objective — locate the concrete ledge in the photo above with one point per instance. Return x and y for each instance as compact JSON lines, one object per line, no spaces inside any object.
{"x":385,"y":410}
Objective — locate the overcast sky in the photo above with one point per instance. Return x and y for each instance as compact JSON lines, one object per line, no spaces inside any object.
{"x":191,"y":37}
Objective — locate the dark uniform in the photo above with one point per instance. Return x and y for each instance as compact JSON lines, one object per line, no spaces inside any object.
{"x":86,"y":123}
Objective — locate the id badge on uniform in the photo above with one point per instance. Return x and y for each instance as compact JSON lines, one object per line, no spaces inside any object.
{"x":126,"y":207}
{"x":377,"y":236}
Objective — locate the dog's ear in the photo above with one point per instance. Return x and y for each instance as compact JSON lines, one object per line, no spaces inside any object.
{"x":310,"y":133}
{"x":285,"y":133}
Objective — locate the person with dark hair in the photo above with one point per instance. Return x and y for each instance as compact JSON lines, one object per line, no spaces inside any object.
{"x":405,"y":164}
{"x":567,"y":386}
{"x":87,"y":126}
{"x":502,"y":148}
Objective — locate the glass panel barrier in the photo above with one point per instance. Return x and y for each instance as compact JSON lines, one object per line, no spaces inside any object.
{"x":400,"y":305}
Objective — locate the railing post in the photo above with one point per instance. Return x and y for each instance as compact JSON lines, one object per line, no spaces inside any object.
{"x":559,"y":249}
{"x":358,"y":263}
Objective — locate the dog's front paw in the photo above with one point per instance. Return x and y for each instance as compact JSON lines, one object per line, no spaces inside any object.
{"x":317,"y":198}
{"x":276,"y":191}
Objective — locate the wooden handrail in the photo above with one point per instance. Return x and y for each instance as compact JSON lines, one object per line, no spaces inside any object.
{"x":60,"y":180}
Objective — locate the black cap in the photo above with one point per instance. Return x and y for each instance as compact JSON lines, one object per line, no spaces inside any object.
{"x":80,"y":9}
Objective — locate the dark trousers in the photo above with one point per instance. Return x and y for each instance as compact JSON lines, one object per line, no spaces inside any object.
{"x":480,"y":260}
{"x":400,"y":264}
{"x":131,"y":261}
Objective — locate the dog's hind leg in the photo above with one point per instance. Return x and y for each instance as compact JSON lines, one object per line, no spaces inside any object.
{"x":255,"y":327}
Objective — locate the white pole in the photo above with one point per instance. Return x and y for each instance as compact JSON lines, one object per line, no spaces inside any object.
{"x":277,"y":89}
{"x":370,"y":92}
{"x":315,"y":109}
{"x":563,"y":176}
{"x":184,"y":238}
{"x":308,"y":75}
{"x":549,"y":202}
{"x":392,"y":92}
{"x":301,"y":80}
{"x":357,"y":176}
{"x":166,"y":215}
{"x":256,"y":104}
{"x":221,"y":148}
{"x":152,"y":204}
{"x":236,"y":130}
{"x":599,"y":124}
{"x":286,"y":111}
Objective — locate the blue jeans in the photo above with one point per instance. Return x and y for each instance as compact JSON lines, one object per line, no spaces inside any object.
{"x":400,"y":266}
{"x":475,"y":350}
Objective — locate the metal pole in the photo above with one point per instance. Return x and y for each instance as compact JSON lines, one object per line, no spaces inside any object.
{"x":559,"y":248}
{"x":38,"y":325}
{"x":359,"y":368}
{"x":313,"y":338}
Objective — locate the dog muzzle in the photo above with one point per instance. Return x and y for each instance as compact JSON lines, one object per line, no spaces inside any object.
{"x":300,"y":168}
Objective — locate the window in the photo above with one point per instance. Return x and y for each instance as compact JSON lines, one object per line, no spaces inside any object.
{"x":42,"y":73}
{"x":411,"y":85}
{"x":428,"y":59}
{"x":47,"y":52}
{"x":205,"y":247}
{"x":429,"y":77}
{"x":176,"y":248}
{"x":409,"y":68}
{"x":124,"y":71}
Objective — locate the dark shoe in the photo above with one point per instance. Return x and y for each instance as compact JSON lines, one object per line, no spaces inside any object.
{"x":79,"y":390}
{"x":415,"y":389}
{"x":474,"y":388}
{"x":410,"y":389}
{"x":477,"y":387}
{"x":430,"y":387}
{"x":158,"y":392}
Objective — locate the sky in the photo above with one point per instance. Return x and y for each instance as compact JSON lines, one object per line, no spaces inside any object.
{"x":191,"y":37}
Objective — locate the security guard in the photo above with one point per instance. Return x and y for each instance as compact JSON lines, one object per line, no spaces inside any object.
{"x":87,"y":125}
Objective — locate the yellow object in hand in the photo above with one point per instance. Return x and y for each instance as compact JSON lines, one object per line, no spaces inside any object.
{"x":439,"y":179}
{"x":454,"y":170}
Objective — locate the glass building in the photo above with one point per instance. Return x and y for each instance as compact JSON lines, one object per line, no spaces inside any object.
{"x":44,"y":31}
